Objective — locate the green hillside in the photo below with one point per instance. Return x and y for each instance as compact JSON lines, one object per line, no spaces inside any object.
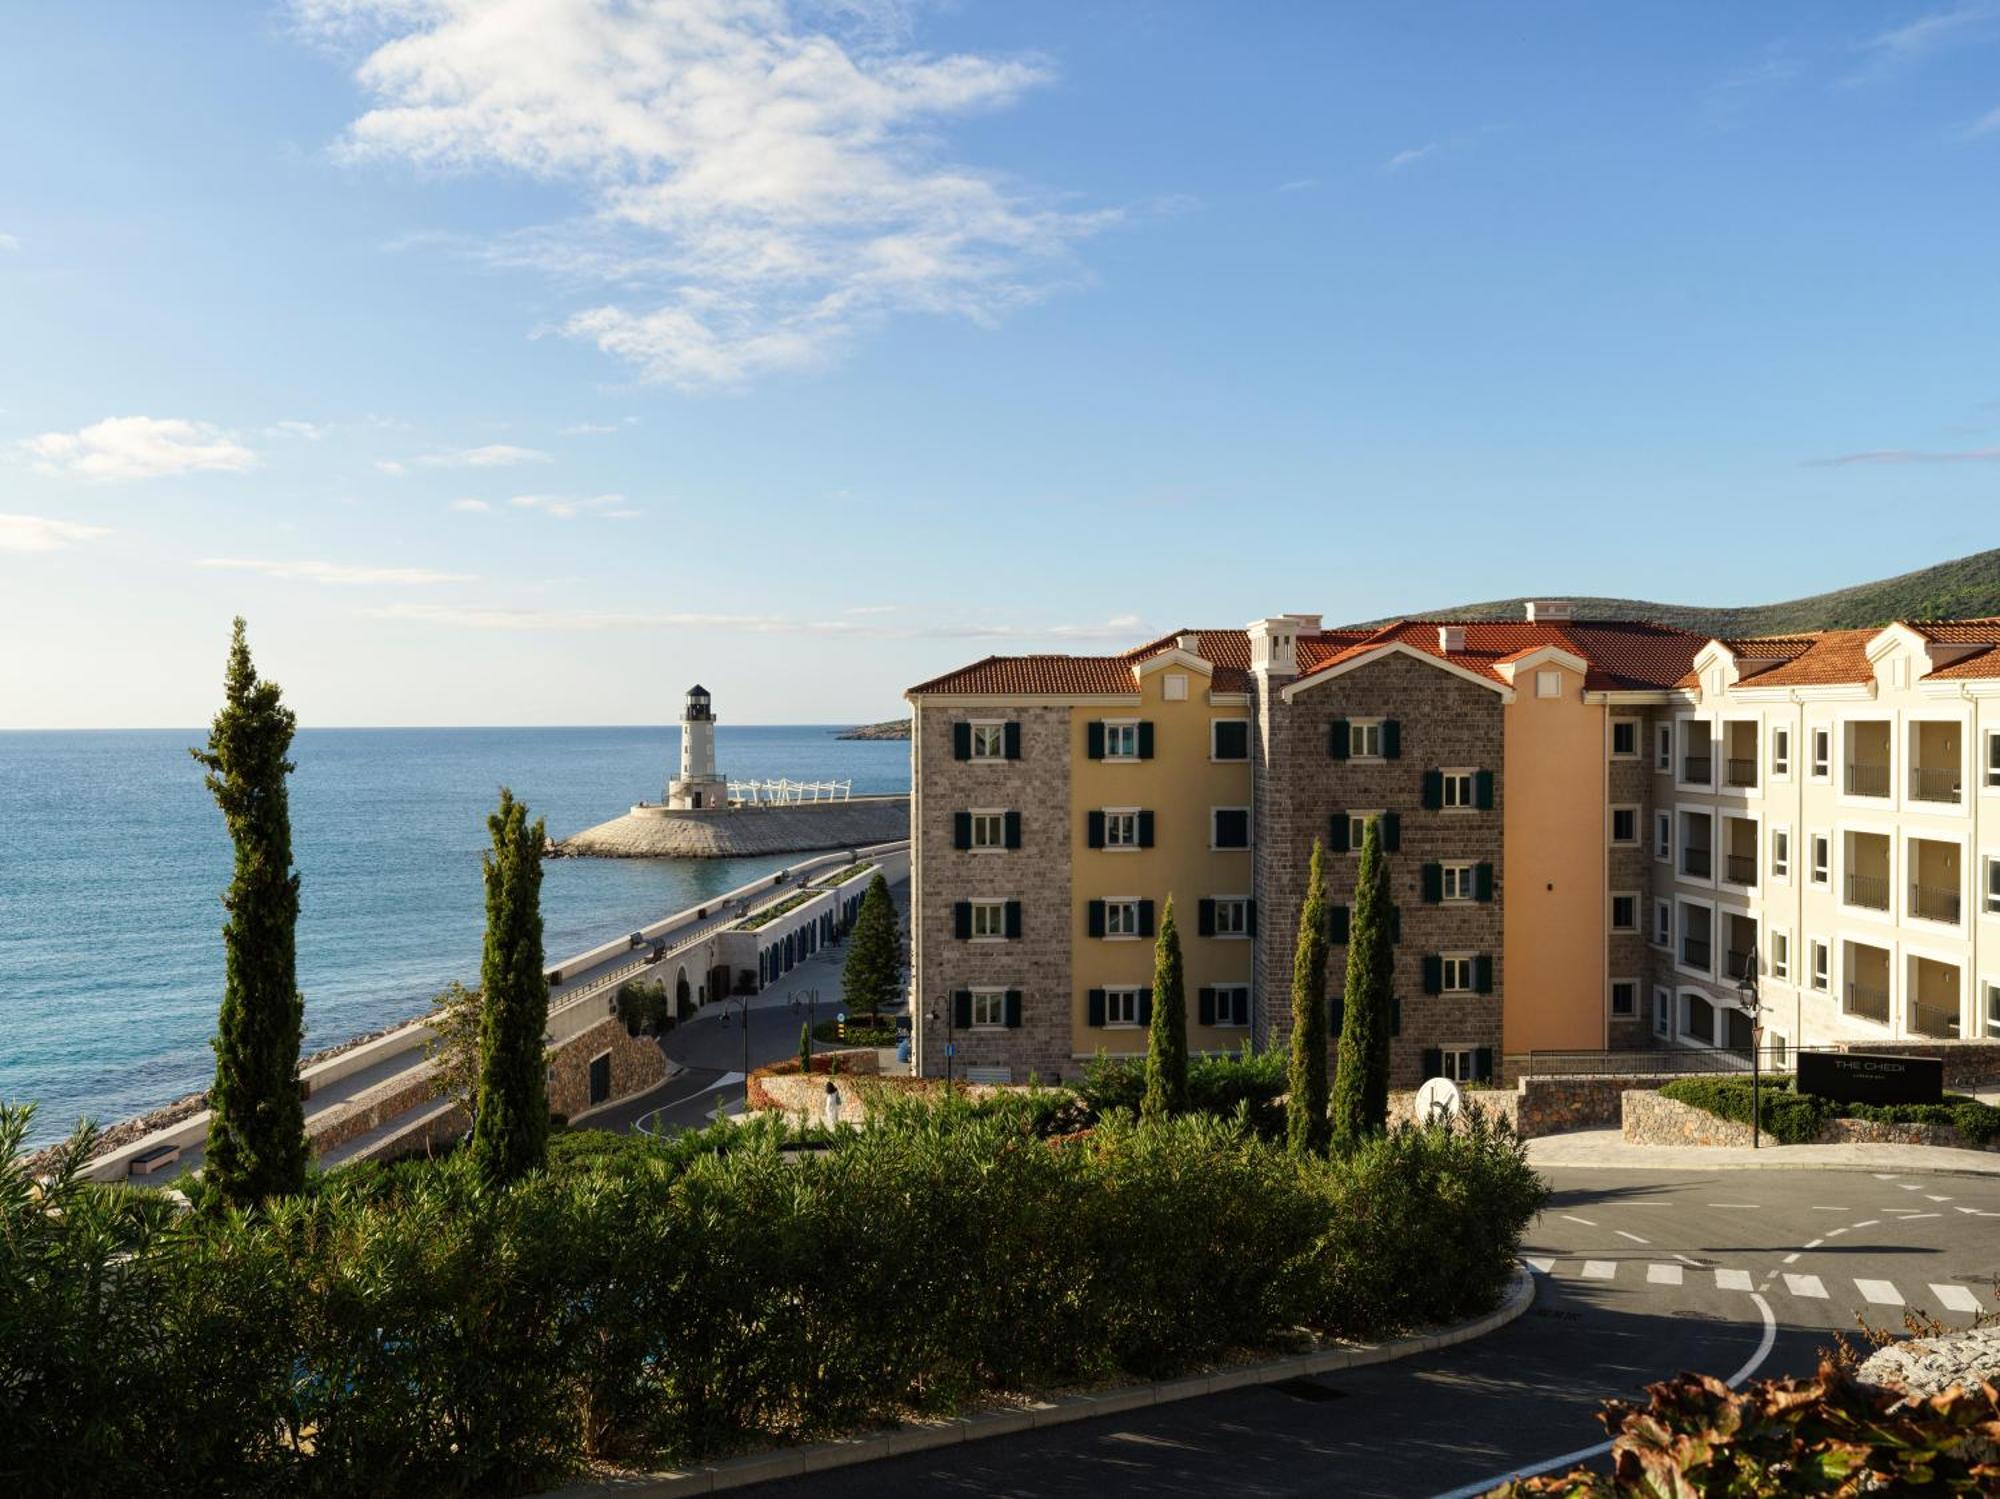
{"x":1968,"y":586}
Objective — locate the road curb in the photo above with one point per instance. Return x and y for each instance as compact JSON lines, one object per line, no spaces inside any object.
{"x":1871,"y":1168}
{"x":792,"y":1462}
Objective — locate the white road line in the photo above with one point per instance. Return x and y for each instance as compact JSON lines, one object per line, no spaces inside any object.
{"x":1584,"y":1454}
{"x":1814,"y":1243}
{"x":1732,"y":1280}
{"x":1885,"y":1176}
{"x":1732,"y":1204}
{"x":1822,"y":1208}
{"x":1599,"y":1269}
{"x":1663,"y":1274}
{"x":1572,"y":1218}
{"x":1910,"y":1186}
{"x":1957,"y":1298}
{"x":1913,"y":1217}
{"x":1834,"y":1233}
{"x":1868,"y":1223}
{"x":1935,"y":1198}
{"x":1541,"y":1263}
{"x":1880,"y":1292}
{"x":1686,"y":1261}
{"x":1633,"y":1237}
{"x":1793,"y":1257}
{"x":1806,"y":1285}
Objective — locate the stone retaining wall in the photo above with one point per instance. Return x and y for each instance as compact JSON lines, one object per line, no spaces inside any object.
{"x":1966,"y":1063}
{"x":1650,"y":1119}
{"x":728,"y":833}
{"x":637,"y":1063}
{"x":1537,"y":1106}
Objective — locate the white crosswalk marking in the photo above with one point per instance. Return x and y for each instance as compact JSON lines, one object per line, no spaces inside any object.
{"x":1806,"y":1285}
{"x":1541,"y":1263}
{"x":1663,"y":1275}
{"x":1956,"y":1298}
{"x":1732,"y":1280}
{"x":1599,"y":1269}
{"x":1880,"y":1292}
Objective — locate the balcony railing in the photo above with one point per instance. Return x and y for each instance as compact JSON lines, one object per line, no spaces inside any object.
{"x":1868,"y":890}
{"x":1696,"y":861}
{"x":1934,"y":903}
{"x":1696,"y":952}
{"x":1934,"y":1021}
{"x":1739,"y":772}
{"x":1868,"y":1001}
{"x":1741,"y":962}
{"x":1697,"y":769}
{"x":1934,"y":784}
{"x":1867,"y":780}
{"x":1740,"y":869}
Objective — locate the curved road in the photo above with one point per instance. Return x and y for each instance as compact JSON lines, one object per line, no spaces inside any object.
{"x":1639,"y":1275}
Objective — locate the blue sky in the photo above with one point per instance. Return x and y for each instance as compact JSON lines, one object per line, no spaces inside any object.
{"x":524,"y":362}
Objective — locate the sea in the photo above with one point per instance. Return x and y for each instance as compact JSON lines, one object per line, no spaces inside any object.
{"x":113,"y":859}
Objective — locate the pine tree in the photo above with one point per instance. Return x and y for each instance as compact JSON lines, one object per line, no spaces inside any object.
{"x":510,"y":1128}
{"x":453,"y":1049}
{"x":872,"y":974}
{"x":1361,"y":1085}
{"x":1306,"y":1123}
{"x":1166,"y":1038}
{"x":256,"y":1132}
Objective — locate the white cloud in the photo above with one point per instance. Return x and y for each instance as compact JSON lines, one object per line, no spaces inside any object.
{"x":1986,"y":124}
{"x":610,"y":506}
{"x":1412,"y":156}
{"x":9,"y":242}
{"x":493,"y":455}
{"x":758,"y":188}
{"x":1933,"y":32}
{"x":471,"y":507}
{"x":597,"y":429}
{"x":1894,"y":456}
{"x":336,"y":572}
{"x":137,"y":447}
{"x":391,"y":467}
{"x":304,"y":431}
{"x":35,"y":533}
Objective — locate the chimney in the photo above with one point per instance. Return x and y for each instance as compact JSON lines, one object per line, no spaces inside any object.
{"x":1274,"y":648}
{"x":1550,"y":611}
{"x":1308,"y":623}
{"x":1188,"y":641}
{"x":1451,"y":639}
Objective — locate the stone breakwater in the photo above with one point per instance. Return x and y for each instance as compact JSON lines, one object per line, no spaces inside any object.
{"x":648,"y":832}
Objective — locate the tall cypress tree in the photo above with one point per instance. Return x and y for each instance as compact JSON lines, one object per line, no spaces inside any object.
{"x":256,"y":1130}
{"x":510,"y":1129}
{"x":871,"y":975}
{"x":1306,"y":1124}
{"x":1166,"y":1037}
{"x":1361,"y":1084}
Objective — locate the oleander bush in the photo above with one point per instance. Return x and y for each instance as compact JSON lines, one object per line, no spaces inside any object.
{"x":1217,"y":1085}
{"x":1795,"y":1118}
{"x":405,"y":1330}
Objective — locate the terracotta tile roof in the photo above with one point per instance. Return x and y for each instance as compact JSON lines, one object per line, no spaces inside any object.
{"x":1958,"y":631}
{"x":1093,"y":676}
{"x":1980,"y":664}
{"x":1830,"y":658}
{"x":1622,"y":655}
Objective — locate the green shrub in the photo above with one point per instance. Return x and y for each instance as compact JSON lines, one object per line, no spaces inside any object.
{"x":1217,"y":1085}
{"x":1795,"y":1118}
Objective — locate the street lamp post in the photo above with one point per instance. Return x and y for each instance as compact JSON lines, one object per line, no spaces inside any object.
{"x":950,"y":1043}
{"x":1748,"y":1001}
{"x":741,"y":1003}
{"x":812,"y":1018}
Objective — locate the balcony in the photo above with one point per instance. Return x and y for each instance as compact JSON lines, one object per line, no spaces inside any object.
{"x":1741,"y":961}
{"x":1697,"y":862}
{"x":1932,"y":1022}
{"x":1739,"y":772}
{"x":1934,"y":784}
{"x":1868,"y":1002}
{"x":1869,"y":891}
{"x":1934,"y":903}
{"x":1867,"y":780}
{"x":1933,"y":1000}
{"x":1740,"y":869}
{"x":1696,"y":952}
{"x":1697,"y":770}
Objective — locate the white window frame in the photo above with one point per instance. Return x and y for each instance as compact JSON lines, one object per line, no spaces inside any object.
{"x":1122,"y":999}
{"x":1458,"y":789}
{"x":1632,"y":808}
{"x":1214,"y":844}
{"x":1117,"y":817}
{"x":1357,"y":827}
{"x":1460,"y":1063}
{"x":1458,"y":882}
{"x":1680,"y":937}
{"x":995,"y":914}
{"x":1680,"y":1018}
{"x":1663,"y":837}
{"x":1989,"y":891}
{"x":1818,"y":871}
{"x":1359,"y":731}
{"x":1819,"y":767}
{"x":1240,"y":906}
{"x":1214,"y":726}
{"x":997,"y":729}
{"x":991,"y":1002}
{"x":1778,"y":954}
{"x":1781,"y":853}
{"x":1686,"y":723}
{"x":997,"y":826}
{"x":1128,"y":907}
{"x":1662,"y":935}
{"x":1663,"y":1010}
{"x":1819,"y":954}
{"x":1781,"y":758}
{"x":1631,"y":1011}
{"x":1463,"y":965}
{"x":1989,"y":766}
{"x":1238,"y":1002}
{"x":1127,"y":732}
{"x":1625,"y":723}
{"x":1612,"y":909}
{"x":1989,"y":1009}
{"x":1663,"y":748}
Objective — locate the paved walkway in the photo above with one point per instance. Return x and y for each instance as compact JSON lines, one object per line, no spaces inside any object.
{"x":1607,"y":1148}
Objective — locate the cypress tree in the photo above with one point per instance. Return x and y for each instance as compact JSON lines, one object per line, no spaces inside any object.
{"x":256,"y":1131}
{"x":1166,"y":1037}
{"x":1361,"y":1085}
{"x":871,"y":975}
{"x":805,"y":1046}
{"x":1306,"y":1124}
{"x":510,"y":1128}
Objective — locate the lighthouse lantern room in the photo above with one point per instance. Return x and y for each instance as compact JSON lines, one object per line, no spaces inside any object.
{"x":700,"y":786}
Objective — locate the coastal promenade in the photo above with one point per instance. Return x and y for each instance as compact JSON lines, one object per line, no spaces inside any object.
{"x":377,"y":1096}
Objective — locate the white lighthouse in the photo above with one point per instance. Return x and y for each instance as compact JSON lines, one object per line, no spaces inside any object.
{"x":699,"y":786}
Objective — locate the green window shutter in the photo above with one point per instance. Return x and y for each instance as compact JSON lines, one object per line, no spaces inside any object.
{"x":1336,"y":925}
{"x":1392,"y":832}
{"x":1145,"y":918}
{"x":1014,"y":919}
{"x":1482,"y":790}
{"x":1433,"y":1062}
{"x":1205,"y":922}
{"x":1205,"y":1006}
{"x":1012,"y":822}
{"x":1433,"y":883}
{"x":1145,"y":1007}
{"x":1094,"y":1007}
{"x":1482,"y":1064}
{"x":1392,"y":739}
{"x":961,"y":741}
{"x":1482,"y":973}
{"x":1145,"y":739}
{"x":1093,"y":735}
{"x":1433,"y":973}
{"x":1097,"y":830}
{"x":1012,"y":1011}
{"x":961,"y":830}
{"x":1482,"y":881}
{"x":1336,"y":833}
{"x":961,"y":1009}
{"x":1433,"y":790}
{"x":961,"y":919}
{"x":1012,"y":737}
{"x":1145,"y":830}
{"x":1337,"y":742}
{"x":1096,"y":909}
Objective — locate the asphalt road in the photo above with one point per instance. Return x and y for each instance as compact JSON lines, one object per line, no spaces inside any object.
{"x":1639,"y":1275}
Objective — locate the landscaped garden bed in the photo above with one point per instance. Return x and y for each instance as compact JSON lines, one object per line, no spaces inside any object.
{"x":1717,"y":1111}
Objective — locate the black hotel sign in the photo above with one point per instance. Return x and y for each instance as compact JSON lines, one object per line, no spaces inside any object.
{"x":1866,"y":1077}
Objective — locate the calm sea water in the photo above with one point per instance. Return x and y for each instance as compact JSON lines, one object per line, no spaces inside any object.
{"x":113,"y":858}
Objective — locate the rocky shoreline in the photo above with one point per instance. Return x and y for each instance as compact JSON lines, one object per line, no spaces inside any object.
{"x":895,"y":728}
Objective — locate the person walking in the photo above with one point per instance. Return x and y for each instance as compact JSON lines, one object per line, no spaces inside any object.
{"x":832,"y":1106}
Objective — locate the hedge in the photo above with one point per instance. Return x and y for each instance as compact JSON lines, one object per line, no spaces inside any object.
{"x":1795,"y":1118}
{"x":401,"y":1331}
